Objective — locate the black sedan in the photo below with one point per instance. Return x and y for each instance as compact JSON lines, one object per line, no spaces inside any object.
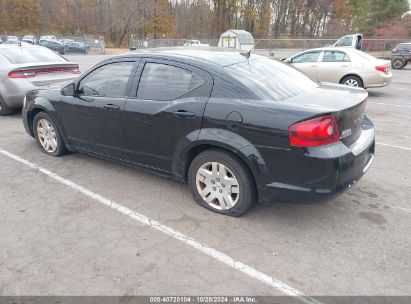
{"x":75,"y":47}
{"x":239,"y":128}
{"x":54,"y":45}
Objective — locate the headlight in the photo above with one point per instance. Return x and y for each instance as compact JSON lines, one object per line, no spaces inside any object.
{"x":24,"y":101}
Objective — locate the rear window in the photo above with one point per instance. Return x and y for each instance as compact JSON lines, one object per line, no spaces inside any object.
{"x":30,"y":55}
{"x":166,"y":82}
{"x":271,"y":79}
{"x":364,"y":55}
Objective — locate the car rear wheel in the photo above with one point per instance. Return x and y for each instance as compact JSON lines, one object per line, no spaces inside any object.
{"x":398,"y":63}
{"x":47,"y":135}
{"x":221,"y":183}
{"x":353,"y":81}
{"x":5,"y":109}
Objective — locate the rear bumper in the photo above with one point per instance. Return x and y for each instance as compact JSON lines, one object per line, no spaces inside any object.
{"x":13,"y":91}
{"x":322,"y":172}
{"x":378,"y":80}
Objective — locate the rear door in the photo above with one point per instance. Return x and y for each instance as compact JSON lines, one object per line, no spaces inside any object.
{"x":333,"y":66}
{"x":93,"y":119}
{"x":166,"y":112}
{"x":307,"y":63}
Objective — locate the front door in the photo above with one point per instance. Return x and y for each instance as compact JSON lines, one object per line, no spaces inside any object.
{"x":166,"y":112}
{"x":93,"y":118}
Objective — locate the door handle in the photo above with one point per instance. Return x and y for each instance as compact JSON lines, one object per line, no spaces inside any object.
{"x":111,"y":106}
{"x":184,"y":114}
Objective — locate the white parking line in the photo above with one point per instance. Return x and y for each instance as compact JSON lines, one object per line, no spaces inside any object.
{"x":394,"y":146}
{"x":389,"y":104}
{"x":211,"y":252}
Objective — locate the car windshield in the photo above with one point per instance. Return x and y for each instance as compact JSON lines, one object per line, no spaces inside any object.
{"x":271,"y":79}
{"x":30,"y":55}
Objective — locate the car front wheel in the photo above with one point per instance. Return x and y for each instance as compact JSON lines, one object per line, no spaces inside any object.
{"x":47,"y":135}
{"x":221,"y":183}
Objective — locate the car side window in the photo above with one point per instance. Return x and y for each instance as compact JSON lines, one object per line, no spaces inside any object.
{"x":306,"y":57}
{"x":334,"y":56}
{"x":109,"y":80}
{"x":166,"y":82}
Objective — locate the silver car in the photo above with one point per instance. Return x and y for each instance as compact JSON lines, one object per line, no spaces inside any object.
{"x":343,"y":65}
{"x":28,"y":67}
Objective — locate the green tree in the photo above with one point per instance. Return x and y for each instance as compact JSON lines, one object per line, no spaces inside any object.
{"x":162,"y":23}
{"x":370,"y":14}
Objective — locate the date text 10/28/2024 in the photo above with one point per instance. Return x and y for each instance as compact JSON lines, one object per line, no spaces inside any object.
{"x":203,"y":299}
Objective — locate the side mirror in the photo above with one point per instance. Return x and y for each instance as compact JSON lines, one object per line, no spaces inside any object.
{"x":69,"y":90}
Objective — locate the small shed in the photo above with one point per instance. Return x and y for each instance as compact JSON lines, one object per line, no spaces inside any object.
{"x":237,"y":39}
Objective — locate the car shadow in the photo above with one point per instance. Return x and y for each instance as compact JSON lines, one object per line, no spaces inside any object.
{"x":377,"y":93}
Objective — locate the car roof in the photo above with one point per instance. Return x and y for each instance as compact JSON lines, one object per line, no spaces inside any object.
{"x":15,"y":46}
{"x":328,"y":48}
{"x":219,"y":56}
{"x":331,"y":48}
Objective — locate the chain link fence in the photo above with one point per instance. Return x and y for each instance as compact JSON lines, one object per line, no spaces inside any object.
{"x":278,"y":48}
{"x":94,"y":45}
{"x":85,"y":44}
{"x":154,"y":43}
{"x":283,"y":48}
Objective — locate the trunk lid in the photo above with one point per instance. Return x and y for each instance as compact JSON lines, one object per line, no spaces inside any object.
{"x":350,"y":122}
{"x":42,"y":74}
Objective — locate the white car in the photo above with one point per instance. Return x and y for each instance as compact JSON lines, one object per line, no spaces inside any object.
{"x":195,"y":43}
{"x":343,"y":65}
{"x":351,"y":41}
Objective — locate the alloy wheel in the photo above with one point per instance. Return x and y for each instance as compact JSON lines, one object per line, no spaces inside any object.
{"x":217,"y":185}
{"x":47,"y":135}
{"x":351,"y":82}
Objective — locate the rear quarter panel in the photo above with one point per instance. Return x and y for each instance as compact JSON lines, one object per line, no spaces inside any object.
{"x":261,"y":134}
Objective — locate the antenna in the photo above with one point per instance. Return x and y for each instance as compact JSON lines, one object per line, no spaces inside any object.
{"x":248,"y":54}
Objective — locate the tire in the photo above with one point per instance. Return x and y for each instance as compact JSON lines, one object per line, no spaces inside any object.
{"x":398,"y":63}
{"x":353,"y":81}
{"x":49,"y":137}
{"x":225,"y":181}
{"x":5,"y":109}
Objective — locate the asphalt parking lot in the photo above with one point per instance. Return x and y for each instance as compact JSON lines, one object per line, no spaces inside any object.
{"x":58,"y":239}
